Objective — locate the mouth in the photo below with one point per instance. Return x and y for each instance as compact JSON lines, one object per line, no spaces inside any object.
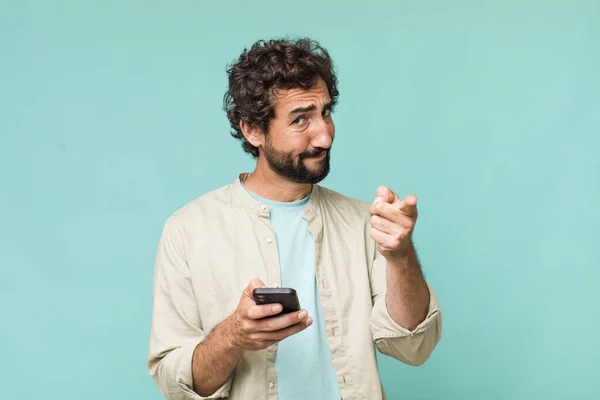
{"x":319,"y":156}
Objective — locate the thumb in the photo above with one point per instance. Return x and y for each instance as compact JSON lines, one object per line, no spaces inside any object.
{"x":255,"y":283}
{"x":385,"y":194}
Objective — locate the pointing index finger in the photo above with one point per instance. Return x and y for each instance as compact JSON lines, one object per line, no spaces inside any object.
{"x":385,"y":194}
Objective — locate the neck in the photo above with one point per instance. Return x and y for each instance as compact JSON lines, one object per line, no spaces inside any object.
{"x":267,"y":184}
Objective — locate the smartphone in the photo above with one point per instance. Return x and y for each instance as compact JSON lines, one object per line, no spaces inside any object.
{"x":288,"y":298}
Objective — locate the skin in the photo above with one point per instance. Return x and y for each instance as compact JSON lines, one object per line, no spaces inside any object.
{"x":292,"y":133}
{"x":301,"y":129}
{"x":392,"y":224}
{"x":251,"y":327}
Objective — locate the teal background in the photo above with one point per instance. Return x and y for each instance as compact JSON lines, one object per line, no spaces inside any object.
{"x":110,"y":120}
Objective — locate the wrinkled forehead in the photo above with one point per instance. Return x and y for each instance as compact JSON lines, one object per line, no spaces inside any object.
{"x":287,"y":99}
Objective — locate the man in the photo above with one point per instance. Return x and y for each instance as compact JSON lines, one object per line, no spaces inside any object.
{"x":352,"y":264}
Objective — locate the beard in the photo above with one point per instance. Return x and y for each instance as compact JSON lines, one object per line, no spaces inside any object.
{"x":294,"y":169}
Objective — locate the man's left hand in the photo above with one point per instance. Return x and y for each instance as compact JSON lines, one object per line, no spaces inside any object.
{"x":393,"y":221}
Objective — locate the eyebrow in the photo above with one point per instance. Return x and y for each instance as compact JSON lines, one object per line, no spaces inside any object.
{"x":311,"y":107}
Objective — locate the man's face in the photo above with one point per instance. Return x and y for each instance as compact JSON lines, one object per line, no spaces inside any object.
{"x":298,"y":144}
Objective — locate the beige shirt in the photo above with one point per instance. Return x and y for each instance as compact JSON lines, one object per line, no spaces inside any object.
{"x":214,"y":246}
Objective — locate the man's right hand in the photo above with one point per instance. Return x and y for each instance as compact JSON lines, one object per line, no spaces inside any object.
{"x":256,"y":327}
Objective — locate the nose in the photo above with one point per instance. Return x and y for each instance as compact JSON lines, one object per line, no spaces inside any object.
{"x":323,"y":136}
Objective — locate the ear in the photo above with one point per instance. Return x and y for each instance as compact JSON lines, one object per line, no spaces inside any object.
{"x":252,"y":133}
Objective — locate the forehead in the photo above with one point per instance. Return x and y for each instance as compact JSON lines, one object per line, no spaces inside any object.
{"x":290,"y":98}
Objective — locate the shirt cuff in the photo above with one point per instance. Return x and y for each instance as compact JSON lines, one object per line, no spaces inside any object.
{"x":185,"y":379}
{"x":384,"y":326}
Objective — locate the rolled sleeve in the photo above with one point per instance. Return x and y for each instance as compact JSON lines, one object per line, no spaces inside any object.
{"x":411,"y":347}
{"x":185,"y":380}
{"x":176,"y":327}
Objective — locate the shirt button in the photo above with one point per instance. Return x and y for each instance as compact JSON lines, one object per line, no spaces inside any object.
{"x":275,"y":284}
{"x":271,"y":385}
{"x":269,"y":240}
{"x":263,"y":207}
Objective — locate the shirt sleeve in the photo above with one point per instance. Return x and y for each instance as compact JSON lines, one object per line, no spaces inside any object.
{"x":411,"y":347}
{"x":176,"y":327}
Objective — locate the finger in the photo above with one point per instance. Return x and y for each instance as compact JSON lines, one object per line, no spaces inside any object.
{"x":286,"y":332}
{"x":379,"y":206}
{"x":263,"y":311}
{"x":409,"y":206}
{"x":394,"y":214}
{"x":384,"y":225}
{"x":281,"y":321}
{"x":385,"y":194}
{"x":386,"y":211}
{"x":255,"y":283}
{"x":385,"y":240}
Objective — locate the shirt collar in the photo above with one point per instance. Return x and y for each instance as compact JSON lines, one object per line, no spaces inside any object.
{"x":242,"y":197}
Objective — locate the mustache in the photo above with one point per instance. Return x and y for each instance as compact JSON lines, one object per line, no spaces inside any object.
{"x":317,"y":151}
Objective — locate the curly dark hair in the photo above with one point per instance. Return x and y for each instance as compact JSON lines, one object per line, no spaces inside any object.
{"x":273,"y":65}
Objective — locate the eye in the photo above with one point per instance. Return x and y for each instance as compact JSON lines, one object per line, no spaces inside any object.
{"x":298,"y":121}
